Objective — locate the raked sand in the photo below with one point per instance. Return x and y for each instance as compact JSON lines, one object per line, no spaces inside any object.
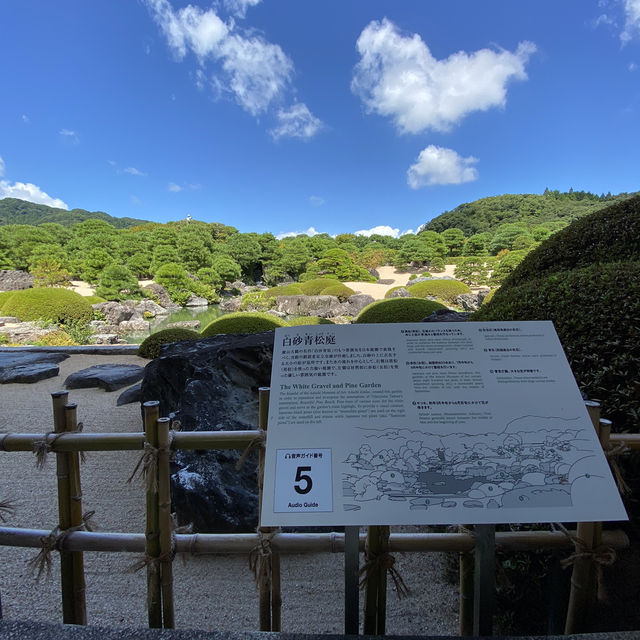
{"x":211,"y":592}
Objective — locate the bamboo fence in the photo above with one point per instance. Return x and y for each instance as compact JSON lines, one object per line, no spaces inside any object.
{"x":162,"y":541}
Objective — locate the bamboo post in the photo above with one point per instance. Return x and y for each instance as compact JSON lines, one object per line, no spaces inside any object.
{"x":583,"y":575}
{"x":64,"y":510}
{"x":465,"y":576}
{"x":375,"y":599}
{"x":165,"y":523}
{"x":151,"y":412}
{"x":75,"y":493}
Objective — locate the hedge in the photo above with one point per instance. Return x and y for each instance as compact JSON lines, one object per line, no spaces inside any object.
{"x":398,"y":310}
{"x":446,"y":290}
{"x":240,"y":322}
{"x":150,"y":347}
{"x":60,"y":306}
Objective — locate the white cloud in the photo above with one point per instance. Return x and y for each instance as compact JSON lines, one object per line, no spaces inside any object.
{"x":291,"y":234}
{"x":437,"y":165}
{"x":296,"y":122}
{"x":134,"y":172}
{"x":398,"y":77}
{"x":174,"y":188}
{"x":29,"y":192}
{"x":256,"y":71}
{"x":25,"y":118}
{"x":316,"y":201}
{"x":70,"y":135}
{"x":380,"y":230}
{"x":632,"y":21}
{"x":632,"y":66}
{"x":239,"y":7}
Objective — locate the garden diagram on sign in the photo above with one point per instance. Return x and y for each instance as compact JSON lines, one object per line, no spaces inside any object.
{"x":534,"y":462}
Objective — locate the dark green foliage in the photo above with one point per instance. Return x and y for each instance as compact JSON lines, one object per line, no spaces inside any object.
{"x":241,"y":322}
{"x":446,"y":290}
{"x":506,"y":265}
{"x":472,"y":270}
{"x":612,"y":234}
{"x":117,"y":283}
{"x":150,"y":347}
{"x":15,"y":211}
{"x":339,"y":290}
{"x":487,"y":214}
{"x":304,"y":320}
{"x":596,"y":311}
{"x":339,"y":264}
{"x":60,"y":306}
{"x":398,"y":310}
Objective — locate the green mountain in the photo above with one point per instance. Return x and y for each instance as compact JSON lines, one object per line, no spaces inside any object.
{"x":14,"y":211}
{"x":487,"y":214}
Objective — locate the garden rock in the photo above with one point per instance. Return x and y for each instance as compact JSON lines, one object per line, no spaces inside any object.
{"x":402,"y":292}
{"x":149,"y":306}
{"x":27,"y":367}
{"x":184,"y":324}
{"x":159,"y":292}
{"x":11,"y":280}
{"x":231,"y":304}
{"x":134,"y":326}
{"x":114,"y":312}
{"x":8,"y":320}
{"x":322,"y":306}
{"x":355,"y":304}
{"x":25,"y":332}
{"x":132,"y":394}
{"x":468,"y":301}
{"x":196,"y":301}
{"x":109,"y":377}
{"x":105,"y":338}
{"x":447,"y":315}
{"x":212,"y":384}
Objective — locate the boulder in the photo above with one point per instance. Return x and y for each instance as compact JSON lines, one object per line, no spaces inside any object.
{"x":231,"y":304}
{"x":11,"y":280}
{"x":322,"y":306}
{"x":134,"y":326}
{"x":160,"y":293}
{"x":149,"y":306}
{"x":402,"y":292}
{"x":196,"y":301}
{"x":184,"y":324}
{"x":29,"y":366}
{"x":132,"y":394}
{"x":468,"y":301}
{"x":355,"y":304}
{"x":105,"y":338}
{"x":110,"y":377}
{"x":212,"y":384}
{"x":114,"y":312}
{"x":8,"y":320}
{"x":447,"y":315}
{"x":25,"y":332}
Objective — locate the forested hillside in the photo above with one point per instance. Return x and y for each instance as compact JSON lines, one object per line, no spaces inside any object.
{"x":487,"y":214}
{"x":14,"y":211}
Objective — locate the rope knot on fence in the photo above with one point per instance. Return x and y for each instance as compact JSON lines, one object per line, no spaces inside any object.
{"x":43,"y":447}
{"x":42,"y":562}
{"x":147,"y":465}
{"x":383,"y":562}
{"x":260,"y":559}
{"x":257,"y":443}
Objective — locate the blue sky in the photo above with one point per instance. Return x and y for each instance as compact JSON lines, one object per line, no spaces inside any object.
{"x":335,"y":116}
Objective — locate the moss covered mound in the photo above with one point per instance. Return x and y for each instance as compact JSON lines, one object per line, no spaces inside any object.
{"x":398,"y":310}
{"x":339,"y":290}
{"x":94,"y":299}
{"x":240,"y":322}
{"x":60,"y":306}
{"x":447,"y":290}
{"x":293,"y":289}
{"x":150,"y":347}
{"x":609,"y":235}
{"x":302,"y":320}
{"x":595,"y":311}
{"x":317,"y":286}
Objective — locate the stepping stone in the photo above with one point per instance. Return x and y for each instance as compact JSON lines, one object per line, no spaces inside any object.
{"x":110,"y":377}
{"x":132,"y":394}
{"x":28,"y":366}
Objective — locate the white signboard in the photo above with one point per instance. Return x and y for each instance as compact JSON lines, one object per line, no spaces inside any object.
{"x":430,"y":423}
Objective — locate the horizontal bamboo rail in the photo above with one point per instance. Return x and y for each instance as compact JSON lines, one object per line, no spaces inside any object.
{"x":292,"y":543}
{"x":181,"y":440}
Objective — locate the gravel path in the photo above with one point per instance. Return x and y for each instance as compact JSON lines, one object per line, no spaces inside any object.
{"x":212,"y":592}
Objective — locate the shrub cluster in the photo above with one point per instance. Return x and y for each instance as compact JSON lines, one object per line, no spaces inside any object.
{"x":150,"y":347}
{"x":59,"y":306}
{"x":595,"y":311}
{"x":304,"y":320}
{"x":398,"y":310}
{"x":446,"y":290}
{"x":242,"y":322}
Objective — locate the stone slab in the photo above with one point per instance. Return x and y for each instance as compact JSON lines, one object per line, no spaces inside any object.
{"x":109,"y":377}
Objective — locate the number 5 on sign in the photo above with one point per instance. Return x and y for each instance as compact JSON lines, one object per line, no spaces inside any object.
{"x":303,"y":481}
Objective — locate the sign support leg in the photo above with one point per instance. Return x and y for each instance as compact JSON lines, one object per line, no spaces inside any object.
{"x":484,"y":579}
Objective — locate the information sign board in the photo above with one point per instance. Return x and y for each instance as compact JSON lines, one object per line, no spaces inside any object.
{"x":430,"y":423}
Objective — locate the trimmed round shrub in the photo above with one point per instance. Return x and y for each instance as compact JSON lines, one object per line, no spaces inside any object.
{"x":446,"y":290}
{"x":398,"y":310}
{"x":60,"y":306}
{"x":302,"y":320}
{"x":240,"y":322}
{"x":4,"y":296}
{"x":317,"y":286}
{"x":150,"y":347}
{"x":595,"y":311}
{"x":489,"y":296}
{"x":94,"y":299}
{"x":257,"y":301}
{"x":292,"y":289}
{"x":339,"y":290}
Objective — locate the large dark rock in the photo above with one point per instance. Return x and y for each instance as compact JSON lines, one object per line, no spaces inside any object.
{"x":110,"y":377}
{"x":212,"y":385}
{"x":29,"y":366}
{"x":15,"y":280}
